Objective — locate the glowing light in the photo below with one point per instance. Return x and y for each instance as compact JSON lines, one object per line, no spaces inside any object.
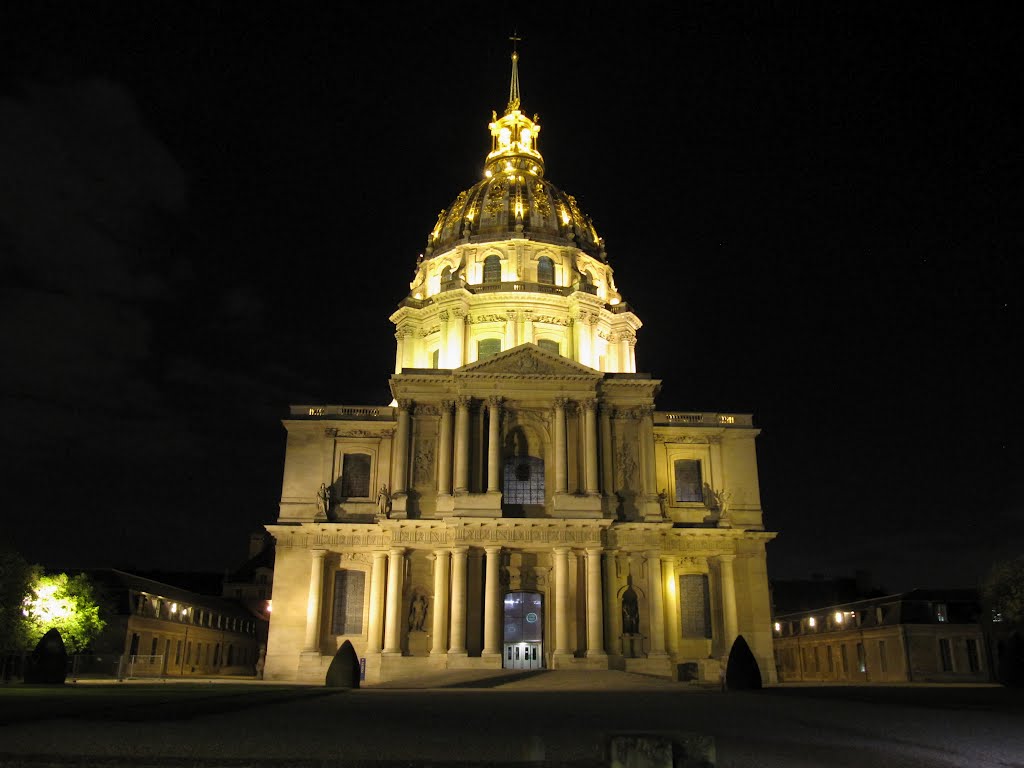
{"x":839,"y":617}
{"x":174,"y":607}
{"x":525,"y":137}
{"x":505,"y":137}
{"x":270,"y":605}
{"x":417,"y":295}
{"x":614,"y":301}
{"x":565,"y":215}
{"x":778,"y":627}
{"x":45,"y":604}
{"x":488,"y":174}
{"x":811,"y":622}
{"x":508,"y":167}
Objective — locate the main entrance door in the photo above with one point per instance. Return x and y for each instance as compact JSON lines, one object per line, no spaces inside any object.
{"x":524,"y":631}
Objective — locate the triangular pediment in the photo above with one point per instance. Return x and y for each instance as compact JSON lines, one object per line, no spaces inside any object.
{"x":528,"y":360}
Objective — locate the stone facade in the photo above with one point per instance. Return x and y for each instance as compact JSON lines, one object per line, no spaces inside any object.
{"x":521,"y":502}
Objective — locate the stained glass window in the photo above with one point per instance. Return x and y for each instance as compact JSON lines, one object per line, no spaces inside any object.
{"x":545,"y":271}
{"x":492,"y":269}
{"x":524,"y":480}
{"x":695,"y":605}
{"x":347,"y":616}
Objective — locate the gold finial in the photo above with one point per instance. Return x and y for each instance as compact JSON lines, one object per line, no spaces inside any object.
{"x":513,"y":89}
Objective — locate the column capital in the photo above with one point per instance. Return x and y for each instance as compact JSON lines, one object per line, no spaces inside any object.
{"x":443,"y":316}
{"x":595,"y":550}
{"x":379,"y":554}
{"x":495,"y":401}
{"x":405,"y":404}
{"x":459,"y":550}
{"x":463,"y":401}
{"x":588,"y":404}
{"x":561,"y":550}
{"x":396,"y":551}
{"x":494,"y":549}
{"x":652,"y":554}
{"x":318,"y":554}
{"x":442,"y":552}
{"x":726,"y":558}
{"x":561,"y":402}
{"x":446,"y":405}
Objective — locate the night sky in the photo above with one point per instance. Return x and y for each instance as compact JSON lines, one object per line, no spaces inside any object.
{"x":209,"y":210}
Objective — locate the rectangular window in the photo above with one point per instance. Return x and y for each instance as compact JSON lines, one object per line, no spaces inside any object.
{"x":355,"y":476}
{"x":831,"y":663}
{"x":973,"y":660}
{"x":845,"y":659}
{"x":133,"y":649}
{"x":177,"y":652}
{"x":939,"y":610}
{"x":883,"y":661}
{"x":817,"y":659}
{"x":946,"y":655}
{"x":435,"y":359}
{"x":862,"y":665}
{"x":549,"y":345}
{"x":487,"y":348}
{"x":688,"y":480}
{"x":153,"y":646}
{"x":695,"y":605}
{"x":347,"y":616}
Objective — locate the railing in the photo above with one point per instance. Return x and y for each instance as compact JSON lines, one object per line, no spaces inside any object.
{"x":706,"y":419}
{"x":341,"y":411}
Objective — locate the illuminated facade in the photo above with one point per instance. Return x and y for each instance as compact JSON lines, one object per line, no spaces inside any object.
{"x":521,"y":503}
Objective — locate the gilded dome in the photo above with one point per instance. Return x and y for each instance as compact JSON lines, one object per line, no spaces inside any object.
{"x":514,"y":199}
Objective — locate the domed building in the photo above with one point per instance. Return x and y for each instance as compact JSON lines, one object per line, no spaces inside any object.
{"x":521,"y":503}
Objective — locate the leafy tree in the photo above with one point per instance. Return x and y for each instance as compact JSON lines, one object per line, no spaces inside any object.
{"x":15,"y":576}
{"x":1004,"y":590}
{"x":68,"y":604}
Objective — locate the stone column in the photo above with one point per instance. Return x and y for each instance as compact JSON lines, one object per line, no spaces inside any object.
{"x":457,"y":646}
{"x":444,"y":450}
{"x":592,"y":327}
{"x":528,"y":325}
{"x":376,"y":622}
{"x":399,"y":351}
{"x":457,"y":340}
{"x":393,"y":617}
{"x":614,"y":612}
{"x":590,"y":446}
{"x":493,"y":444}
{"x":442,"y":357}
{"x":607,"y":467}
{"x":655,"y":604}
{"x":583,"y":339}
{"x":560,"y":555}
{"x":509,"y":335}
{"x":439,"y":647}
{"x":595,"y":613}
{"x":632,"y":355}
{"x":623,"y":352}
{"x":561,"y":480}
{"x":492,"y":603}
{"x":462,"y":444}
{"x":400,"y":465}
{"x":313,"y":601}
{"x":668,"y":567}
{"x":728,"y":600}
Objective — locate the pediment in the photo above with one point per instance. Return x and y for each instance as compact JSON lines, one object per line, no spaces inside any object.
{"x":529,"y":360}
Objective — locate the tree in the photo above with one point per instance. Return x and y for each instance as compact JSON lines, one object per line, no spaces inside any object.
{"x":15,"y":576}
{"x":1004,"y":590}
{"x":67,"y":604}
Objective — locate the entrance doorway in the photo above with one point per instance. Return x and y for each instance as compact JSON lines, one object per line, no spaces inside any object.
{"x":524,"y":631}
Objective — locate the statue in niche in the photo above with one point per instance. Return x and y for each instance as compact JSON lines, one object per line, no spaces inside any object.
{"x":324,"y":500}
{"x":627,"y":466}
{"x":423,"y":465}
{"x":718,"y":501}
{"x":630,"y":610}
{"x":417,"y":612}
{"x":663,"y":502}
{"x":384,"y":502}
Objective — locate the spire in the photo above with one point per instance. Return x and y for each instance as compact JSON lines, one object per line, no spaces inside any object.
{"x":513,"y":88}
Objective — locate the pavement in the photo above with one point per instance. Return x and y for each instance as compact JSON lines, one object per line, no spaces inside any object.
{"x":547,"y":718}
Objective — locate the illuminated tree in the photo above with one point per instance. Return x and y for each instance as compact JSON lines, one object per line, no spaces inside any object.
{"x":15,"y":576}
{"x":67,"y":604}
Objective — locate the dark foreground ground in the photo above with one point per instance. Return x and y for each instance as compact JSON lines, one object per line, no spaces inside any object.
{"x":551,"y":718}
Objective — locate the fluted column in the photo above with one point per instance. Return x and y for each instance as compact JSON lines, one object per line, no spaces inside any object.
{"x":444,"y":450}
{"x":561,"y":481}
{"x":393,"y":617}
{"x":595,"y":612}
{"x":492,"y":602}
{"x":457,"y":339}
{"x":493,"y":444}
{"x":462,"y":445}
{"x":614,"y":612}
{"x":590,"y":446}
{"x":457,"y":643}
{"x":439,"y":647}
{"x":607,"y":467}
{"x":376,"y":621}
{"x":442,"y":357}
{"x":528,"y":325}
{"x":313,"y":601}
{"x":400,"y":465}
{"x":728,"y":599}
{"x":623,"y":353}
{"x":560,"y":556}
{"x":668,"y":567}
{"x":632,"y":355}
{"x":656,"y":604}
{"x":399,"y":351}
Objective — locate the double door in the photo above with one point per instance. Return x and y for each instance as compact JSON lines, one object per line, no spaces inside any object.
{"x":523,"y":656}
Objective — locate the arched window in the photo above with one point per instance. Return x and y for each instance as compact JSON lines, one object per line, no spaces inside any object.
{"x":549,"y":345}
{"x":492,"y":269}
{"x":586,"y":282}
{"x":545,"y":271}
{"x":435,"y":359}
{"x":446,"y":275}
{"x":487,"y":348}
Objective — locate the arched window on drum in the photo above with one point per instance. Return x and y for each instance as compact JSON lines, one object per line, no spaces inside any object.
{"x":492,"y":269}
{"x":545,"y":271}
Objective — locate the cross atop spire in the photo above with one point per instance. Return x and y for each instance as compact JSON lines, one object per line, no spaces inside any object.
{"x":513,"y":89}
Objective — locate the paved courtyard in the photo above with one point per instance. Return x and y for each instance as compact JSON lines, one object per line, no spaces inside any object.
{"x":546,"y":718}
